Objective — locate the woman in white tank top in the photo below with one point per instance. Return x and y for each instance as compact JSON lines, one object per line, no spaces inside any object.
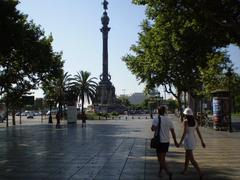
{"x":190,"y":141}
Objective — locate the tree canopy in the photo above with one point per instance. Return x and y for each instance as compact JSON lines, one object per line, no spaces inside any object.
{"x":85,"y":86}
{"x":27,"y":58}
{"x":26,"y":55}
{"x":179,"y":38}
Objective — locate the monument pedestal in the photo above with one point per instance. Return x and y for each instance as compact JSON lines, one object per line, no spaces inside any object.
{"x":105,"y":93}
{"x":105,"y":97}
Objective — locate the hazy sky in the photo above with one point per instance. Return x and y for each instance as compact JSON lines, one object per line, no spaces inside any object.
{"x":75,"y":26}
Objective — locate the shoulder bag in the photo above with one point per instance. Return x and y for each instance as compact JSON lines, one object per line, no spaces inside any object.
{"x":155,"y":141}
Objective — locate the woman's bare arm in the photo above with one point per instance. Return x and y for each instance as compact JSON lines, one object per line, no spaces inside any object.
{"x":184,"y":132}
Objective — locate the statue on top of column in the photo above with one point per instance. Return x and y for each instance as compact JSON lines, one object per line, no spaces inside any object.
{"x":105,"y":4}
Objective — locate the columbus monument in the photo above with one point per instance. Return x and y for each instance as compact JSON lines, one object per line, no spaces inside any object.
{"x":105,"y":100}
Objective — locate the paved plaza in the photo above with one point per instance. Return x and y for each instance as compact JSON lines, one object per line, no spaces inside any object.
{"x":108,"y":150}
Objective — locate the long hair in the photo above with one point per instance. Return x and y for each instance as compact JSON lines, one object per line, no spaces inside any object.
{"x":161,"y":110}
{"x":190,"y":120}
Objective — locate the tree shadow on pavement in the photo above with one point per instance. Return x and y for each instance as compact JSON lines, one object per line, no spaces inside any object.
{"x":175,"y":162}
{"x":236,"y":126}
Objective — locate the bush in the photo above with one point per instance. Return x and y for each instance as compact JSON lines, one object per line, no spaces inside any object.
{"x":114,"y":113}
{"x":91,"y":116}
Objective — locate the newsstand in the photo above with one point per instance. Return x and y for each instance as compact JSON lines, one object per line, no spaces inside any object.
{"x":220,"y":107}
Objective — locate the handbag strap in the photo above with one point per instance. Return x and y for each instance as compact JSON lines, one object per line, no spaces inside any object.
{"x":159,"y":126}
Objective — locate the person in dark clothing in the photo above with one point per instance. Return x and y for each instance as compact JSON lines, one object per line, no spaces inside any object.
{"x":58,"y":117}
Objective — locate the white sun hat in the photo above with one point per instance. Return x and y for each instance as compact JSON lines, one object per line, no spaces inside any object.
{"x":188,"y":111}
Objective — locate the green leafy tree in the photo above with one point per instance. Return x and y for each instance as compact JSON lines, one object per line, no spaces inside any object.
{"x":177,"y":39}
{"x":26,"y":55}
{"x":237,"y":104}
{"x":220,"y":19}
{"x":66,"y":87}
{"x":172,"y":105}
{"x":162,"y":58}
{"x":124,"y":101}
{"x":54,"y":89}
{"x":233,"y":83}
{"x":144,"y":104}
{"x":213,"y":76}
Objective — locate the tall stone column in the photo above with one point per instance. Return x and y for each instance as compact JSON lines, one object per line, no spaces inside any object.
{"x":105,"y":29}
{"x":105,"y":93}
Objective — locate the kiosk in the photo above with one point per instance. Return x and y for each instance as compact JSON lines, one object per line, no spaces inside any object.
{"x":220,"y":107}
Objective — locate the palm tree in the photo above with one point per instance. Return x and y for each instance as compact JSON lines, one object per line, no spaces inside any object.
{"x":65,"y":84}
{"x":86,"y":86}
{"x":55,"y":90}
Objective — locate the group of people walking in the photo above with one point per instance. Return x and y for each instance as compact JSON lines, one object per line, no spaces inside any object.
{"x":163,"y":126}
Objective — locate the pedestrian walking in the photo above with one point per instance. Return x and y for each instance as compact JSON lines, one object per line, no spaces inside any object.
{"x":58,"y":117}
{"x":189,"y":127}
{"x":166,"y":126}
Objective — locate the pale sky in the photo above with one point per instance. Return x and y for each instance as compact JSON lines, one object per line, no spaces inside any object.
{"x":75,"y":26}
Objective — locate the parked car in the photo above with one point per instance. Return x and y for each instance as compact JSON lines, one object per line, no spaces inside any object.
{"x":23,"y":114}
{"x":2,"y":118}
{"x":30,"y":116}
{"x":53,"y":111}
{"x":37,"y":114}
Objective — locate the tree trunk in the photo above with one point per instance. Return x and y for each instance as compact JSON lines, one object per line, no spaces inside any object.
{"x":13,"y":117}
{"x":234,"y":104}
{"x":82,"y":98}
{"x":180,"y":109}
{"x":185,"y":99}
{"x":7,"y":104}
{"x":20,"y":116}
{"x":178,"y":97}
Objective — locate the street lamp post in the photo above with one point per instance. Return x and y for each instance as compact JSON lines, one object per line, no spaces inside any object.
{"x":50,"y":113}
{"x":158,"y":99}
{"x":229,"y":75}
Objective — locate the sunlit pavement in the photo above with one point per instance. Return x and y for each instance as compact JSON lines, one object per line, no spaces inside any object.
{"x":108,"y":150}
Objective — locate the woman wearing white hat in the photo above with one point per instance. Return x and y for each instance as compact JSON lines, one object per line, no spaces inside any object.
{"x":190,"y":141}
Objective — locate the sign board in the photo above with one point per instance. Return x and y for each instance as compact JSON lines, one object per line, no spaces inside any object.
{"x":71,"y":114}
{"x":216,"y":103}
{"x":28,"y":100}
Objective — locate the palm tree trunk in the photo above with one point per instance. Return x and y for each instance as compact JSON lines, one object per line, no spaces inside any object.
{"x":83,"y":113}
{"x":82,"y":98}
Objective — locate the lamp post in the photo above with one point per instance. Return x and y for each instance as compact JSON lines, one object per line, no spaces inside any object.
{"x":154,"y":101}
{"x":229,"y":75}
{"x":50,"y":109}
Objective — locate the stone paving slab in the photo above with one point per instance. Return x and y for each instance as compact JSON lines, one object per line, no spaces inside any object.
{"x":108,"y":150}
